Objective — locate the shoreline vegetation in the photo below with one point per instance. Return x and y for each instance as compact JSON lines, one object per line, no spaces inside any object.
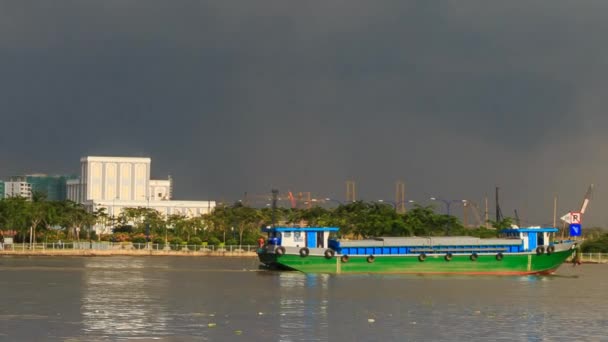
{"x":39,"y":221}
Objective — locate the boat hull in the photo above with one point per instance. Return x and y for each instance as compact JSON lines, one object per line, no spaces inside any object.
{"x":488,"y":264}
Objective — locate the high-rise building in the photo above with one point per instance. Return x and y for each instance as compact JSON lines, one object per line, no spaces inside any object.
{"x":18,"y":189}
{"x":109,"y":178}
{"x":52,"y":186}
{"x":1,"y":189}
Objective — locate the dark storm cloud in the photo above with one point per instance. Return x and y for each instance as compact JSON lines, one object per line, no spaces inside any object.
{"x":235,"y":96}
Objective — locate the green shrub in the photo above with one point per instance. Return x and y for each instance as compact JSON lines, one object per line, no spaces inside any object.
{"x":175,"y":243}
{"x":231,"y":242}
{"x":138,"y":239}
{"x":250,"y":241}
{"x":213,"y":241}
{"x":597,"y":245}
{"x":195,"y":241}
{"x":159,"y":240}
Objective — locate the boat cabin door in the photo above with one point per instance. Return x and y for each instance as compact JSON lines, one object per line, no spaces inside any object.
{"x":311,"y":239}
{"x":541,"y":239}
{"x":532,"y":240}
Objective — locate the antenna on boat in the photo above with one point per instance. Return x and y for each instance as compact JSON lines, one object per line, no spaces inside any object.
{"x":275,"y":194}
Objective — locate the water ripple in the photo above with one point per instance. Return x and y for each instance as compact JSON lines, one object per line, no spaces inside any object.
{"x":220,"y":299}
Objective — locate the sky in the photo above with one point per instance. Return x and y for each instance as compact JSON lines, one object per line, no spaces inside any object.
{"x":453,"y":98}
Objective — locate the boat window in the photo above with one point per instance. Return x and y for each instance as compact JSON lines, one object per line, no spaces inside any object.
{"x":286,"y":234}
{"x":297,"y":236}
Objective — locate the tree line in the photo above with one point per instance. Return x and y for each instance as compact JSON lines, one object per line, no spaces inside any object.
{"x":40,"y":220}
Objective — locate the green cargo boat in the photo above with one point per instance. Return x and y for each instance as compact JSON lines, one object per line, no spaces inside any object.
{"x":518,"y":251}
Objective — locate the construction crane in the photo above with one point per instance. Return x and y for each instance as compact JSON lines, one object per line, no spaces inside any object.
{"x":471,"y":206}
{"x":296,"y":200}
{"x":292,"y":200}
{"x":517,"y":220}
{"x":499,"y":216}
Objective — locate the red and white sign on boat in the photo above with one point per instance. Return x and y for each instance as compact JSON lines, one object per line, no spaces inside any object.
{"x":576,"y":217}
{"x":572,"y":218}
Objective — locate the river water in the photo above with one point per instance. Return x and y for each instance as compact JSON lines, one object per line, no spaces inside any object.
{"x":230,"y":299}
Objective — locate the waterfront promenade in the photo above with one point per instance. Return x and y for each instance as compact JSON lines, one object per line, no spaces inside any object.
{"x":129,"y":249}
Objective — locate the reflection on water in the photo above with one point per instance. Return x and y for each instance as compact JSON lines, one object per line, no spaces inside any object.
{"x":303,"y":314}
{"x":224,"y":299}
{"x":123,"y":298}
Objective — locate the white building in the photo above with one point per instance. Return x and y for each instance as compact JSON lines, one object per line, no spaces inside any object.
{"x":18,"y":189}
{"x":115,"y":183}
{"x":108,"y":178}
{"x":166,"y":208}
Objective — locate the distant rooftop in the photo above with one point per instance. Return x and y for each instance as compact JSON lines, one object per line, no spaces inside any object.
{"x":115,"y":158}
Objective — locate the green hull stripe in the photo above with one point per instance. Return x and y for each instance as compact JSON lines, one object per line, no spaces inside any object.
{"x":485,"y":264}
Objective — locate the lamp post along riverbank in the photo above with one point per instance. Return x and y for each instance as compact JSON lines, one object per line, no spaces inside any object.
{"x":447,"y":206}
{"x":396,"y":205}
